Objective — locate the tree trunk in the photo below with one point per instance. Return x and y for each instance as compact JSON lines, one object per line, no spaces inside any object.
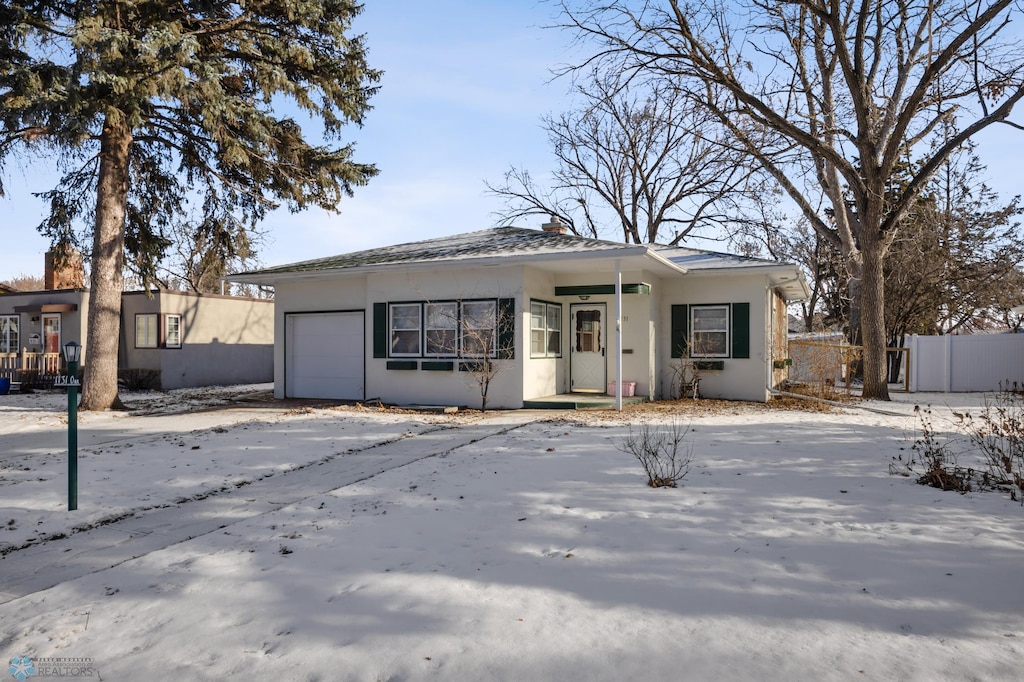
{"x":99,"y":386}
{"x":872,"y":321}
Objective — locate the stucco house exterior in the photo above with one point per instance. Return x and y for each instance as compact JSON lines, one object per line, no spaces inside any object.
{"x":189,"y":339}
{"x":197,"y":339}
{"x":407,"y":324}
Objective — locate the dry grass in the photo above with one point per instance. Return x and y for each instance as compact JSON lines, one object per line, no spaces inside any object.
{"x":689,"y":409}
{"x":801,"y":405}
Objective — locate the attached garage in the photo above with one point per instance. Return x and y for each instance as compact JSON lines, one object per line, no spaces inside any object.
{"x":324,"y":355}
{"x":410,"y":323}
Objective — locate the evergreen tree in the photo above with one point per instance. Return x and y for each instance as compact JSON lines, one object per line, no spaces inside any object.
{"x":153,"y":107}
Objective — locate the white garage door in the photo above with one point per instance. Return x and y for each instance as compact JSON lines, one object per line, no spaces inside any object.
{"x":324,"y":355}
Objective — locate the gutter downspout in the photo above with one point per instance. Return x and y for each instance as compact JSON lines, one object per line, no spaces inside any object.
{"x":618,"y":335}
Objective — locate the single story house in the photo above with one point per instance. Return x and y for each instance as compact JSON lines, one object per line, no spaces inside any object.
{"x":197,"y":339}
{"x":189,"y":339}
{"x":551,"y":312}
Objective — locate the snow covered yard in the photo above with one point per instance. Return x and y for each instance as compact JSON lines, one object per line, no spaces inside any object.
{"x":536,"y":552}
{"x":171,"y":448}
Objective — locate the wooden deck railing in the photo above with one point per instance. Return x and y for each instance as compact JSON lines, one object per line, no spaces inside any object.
{"x":15,"y":366}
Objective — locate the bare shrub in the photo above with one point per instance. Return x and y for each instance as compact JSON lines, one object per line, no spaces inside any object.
{"x":661,"y":450}
{"x":995,"y":436}
{"x":998,"y":435}
{"x":139,"y":379}
{"x":934,"y":462}
{"x":685,"y":381}
{"x":686,"y":373}
{"x":474,"y":333}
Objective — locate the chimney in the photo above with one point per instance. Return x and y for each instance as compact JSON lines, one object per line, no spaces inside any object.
{"x":63,"y":269}
{"x":556,"y":226}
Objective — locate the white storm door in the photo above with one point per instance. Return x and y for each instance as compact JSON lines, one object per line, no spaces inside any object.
{"x":324,"y":355}
{"x":587,"y":367}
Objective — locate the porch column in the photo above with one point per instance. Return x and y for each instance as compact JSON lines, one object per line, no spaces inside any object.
{"x":618,"y":335}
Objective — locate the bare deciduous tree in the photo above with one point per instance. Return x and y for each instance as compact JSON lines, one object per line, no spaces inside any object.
{"x":830,"y":95}
{"x":24,"y":282}
{"x":483,"y":345}
{"x":477,"y":333}
{"x":204,"y":251}
{"x":642,"y":156}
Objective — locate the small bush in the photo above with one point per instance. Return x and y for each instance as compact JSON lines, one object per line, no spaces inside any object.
{"x":934,"y":462}
{"x":32,"y":380}
{"x":139,"y":379}
{"x":998,"y":434}
{"x":661,"y":450}
{"x":995,"y":436}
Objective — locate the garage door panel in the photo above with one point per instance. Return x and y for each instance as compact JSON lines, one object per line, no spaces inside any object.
{"x":324,"y":355}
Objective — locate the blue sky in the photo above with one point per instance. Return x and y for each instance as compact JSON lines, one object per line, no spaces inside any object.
{"x":464,"y":87}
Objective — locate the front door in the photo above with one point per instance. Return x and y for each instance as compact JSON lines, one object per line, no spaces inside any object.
{"x":51,"y":333}
{"x":587,"y":369}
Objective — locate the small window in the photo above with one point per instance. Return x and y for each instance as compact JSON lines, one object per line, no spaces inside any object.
{"x":478,"y":328}
{"x":588,"y":331}
{"x":545,"y":330}
{"x":709,"y":331}
{"x":145,"y":331}
{"x":9,"y":338}
{"x":173,"y":323}
{"x":442,"y":329}
{"x":405,"y":329}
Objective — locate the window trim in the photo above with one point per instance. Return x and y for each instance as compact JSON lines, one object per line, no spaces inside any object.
{"x":167,"y":329}
{"x":392,"y":330}
{"x":5,"y":333}
{"x":155,"y":332}
{"x":727,"y":330}
{"x":546,"y":353}
{"x":457,"y":322}
{"x":461,"y":329}
{"x":464,"y":327}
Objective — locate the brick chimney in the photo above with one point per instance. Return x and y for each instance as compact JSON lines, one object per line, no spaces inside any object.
{"x":556,"y":226}
{"x":63,"y":269}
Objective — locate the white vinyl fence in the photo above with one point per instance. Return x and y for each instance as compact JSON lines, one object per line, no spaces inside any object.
{"x":965,"y":363}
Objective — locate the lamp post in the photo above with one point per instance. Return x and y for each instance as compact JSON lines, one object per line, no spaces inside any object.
{"x":72,"y":353}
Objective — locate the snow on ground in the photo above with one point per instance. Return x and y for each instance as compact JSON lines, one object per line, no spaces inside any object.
{"x":535,"y":552}
{"x":177,"y":446}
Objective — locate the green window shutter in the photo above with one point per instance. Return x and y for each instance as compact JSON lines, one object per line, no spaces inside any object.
{"x":680,"y":330}
{"x":380,"y":330}
{"x":740,"y":331}
{"x":506,"y":328}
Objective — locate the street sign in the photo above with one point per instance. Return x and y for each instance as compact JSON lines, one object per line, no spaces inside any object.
{"x":64,"y":380}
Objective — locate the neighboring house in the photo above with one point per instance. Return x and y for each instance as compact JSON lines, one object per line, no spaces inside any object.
{"x":190,"y":339}
{"x":197,"y":339}
{"x":35,"y":324}
{"x":408,"y":323}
